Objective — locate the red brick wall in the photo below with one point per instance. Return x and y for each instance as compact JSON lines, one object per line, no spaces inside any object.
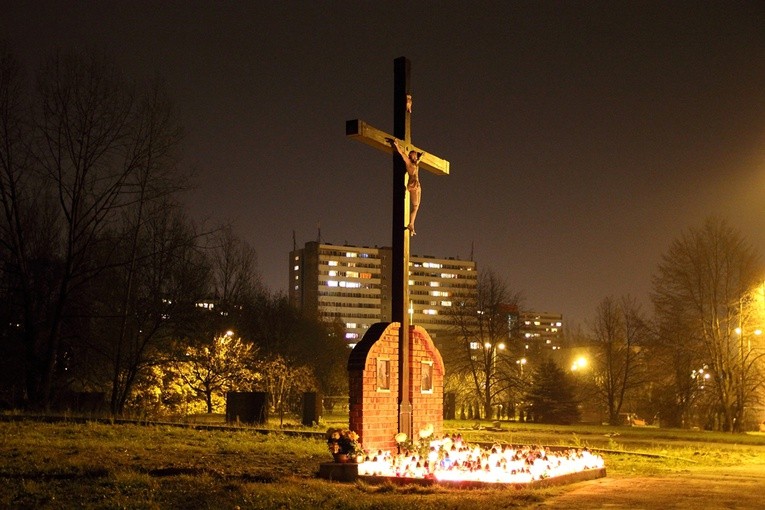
{"x":374,"y":412}
{"x":427,"y":407}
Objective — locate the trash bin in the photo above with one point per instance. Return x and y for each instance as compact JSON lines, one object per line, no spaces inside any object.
{"x":311,"y":408}
{"x":247,"y":407}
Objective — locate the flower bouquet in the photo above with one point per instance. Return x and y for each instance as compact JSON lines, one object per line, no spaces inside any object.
{"x":344,"y":444}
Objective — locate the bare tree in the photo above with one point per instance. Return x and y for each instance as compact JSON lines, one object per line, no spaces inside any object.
{"x":85,"y":152}
{"x":234,"y":280}
{"x":480,"y":332}
{"x":14,"y":165}
{"x":29,"y":230}
{"x":155,"y":135}
{"x":81,"y":152}
{"x":751,"y":349}
{"x":700,"y":284}
{"x":158,"y":289}
{"x":234,"y":267}
{"x":620,"y":332}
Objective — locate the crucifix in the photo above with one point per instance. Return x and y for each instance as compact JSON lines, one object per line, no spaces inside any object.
{"x":361,"y":131}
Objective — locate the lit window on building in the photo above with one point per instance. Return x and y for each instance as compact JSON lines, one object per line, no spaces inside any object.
{"x":350,"y":325}
{"x":332,"y":263}
{"x":331,"y":283}
{"x":351,"y":254}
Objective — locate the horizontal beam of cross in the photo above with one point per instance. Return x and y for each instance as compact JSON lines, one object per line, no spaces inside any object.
{"x":363,"y":132}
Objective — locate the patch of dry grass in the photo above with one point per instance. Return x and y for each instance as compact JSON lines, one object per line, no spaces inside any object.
{"x":91,"y":465}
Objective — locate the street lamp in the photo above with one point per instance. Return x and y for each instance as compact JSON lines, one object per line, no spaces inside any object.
{"x":491,"y":367}
{"x":521,"y":362}
{"x":579,"y":364}
{"x":493,"y":352}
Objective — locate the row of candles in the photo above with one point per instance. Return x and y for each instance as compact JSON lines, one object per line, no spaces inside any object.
{"x":451,"y":459}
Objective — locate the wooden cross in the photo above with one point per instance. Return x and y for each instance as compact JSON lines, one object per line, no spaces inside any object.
{"x":369,"y":135}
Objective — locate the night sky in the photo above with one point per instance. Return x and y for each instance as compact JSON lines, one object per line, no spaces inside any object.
{"x":583,"y":137}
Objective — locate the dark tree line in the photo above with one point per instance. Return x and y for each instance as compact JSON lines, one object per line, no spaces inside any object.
{"x":699,"y":360}
{"x":102,"y":272}
{"x":709,"y":297}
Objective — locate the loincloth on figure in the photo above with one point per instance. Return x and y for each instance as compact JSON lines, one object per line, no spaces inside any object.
{"x":415,"y":192}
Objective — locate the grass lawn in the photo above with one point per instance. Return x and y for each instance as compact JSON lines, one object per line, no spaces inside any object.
{"x":102,"y":465}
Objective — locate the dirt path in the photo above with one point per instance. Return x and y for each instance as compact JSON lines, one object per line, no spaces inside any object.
{"x":740,"y":487}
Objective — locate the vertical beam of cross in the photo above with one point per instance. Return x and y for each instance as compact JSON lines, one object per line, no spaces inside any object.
{"x":362,"y":132}
{"x":400,"y":240}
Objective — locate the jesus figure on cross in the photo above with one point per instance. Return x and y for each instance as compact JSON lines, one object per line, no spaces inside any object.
{"x":412,"y":162}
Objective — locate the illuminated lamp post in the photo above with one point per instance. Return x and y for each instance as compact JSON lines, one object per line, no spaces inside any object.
{"x":754,"y":298}
{"x":491,"y":367}
{"x":521,"y":362}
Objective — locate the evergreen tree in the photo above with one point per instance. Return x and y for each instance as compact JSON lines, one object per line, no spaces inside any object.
{"x":551,"y":397}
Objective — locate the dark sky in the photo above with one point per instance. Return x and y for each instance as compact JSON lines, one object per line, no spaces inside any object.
{"x":583,"y":136}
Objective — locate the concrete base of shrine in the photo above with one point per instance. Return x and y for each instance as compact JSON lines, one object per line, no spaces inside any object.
{"x":349,"y":472}
{"x":339,"y":472}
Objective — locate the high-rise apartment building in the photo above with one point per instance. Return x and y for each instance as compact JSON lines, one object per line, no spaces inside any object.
{"x":541,"y":330}
{"x":352,"y":284}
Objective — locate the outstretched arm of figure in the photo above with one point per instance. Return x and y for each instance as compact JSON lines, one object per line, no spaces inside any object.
{"x":394,"y":143}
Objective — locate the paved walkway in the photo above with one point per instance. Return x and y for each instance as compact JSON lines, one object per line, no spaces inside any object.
{"x":739,"y":487}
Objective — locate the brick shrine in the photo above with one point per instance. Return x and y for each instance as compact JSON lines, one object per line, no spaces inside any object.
{"x":373,"y":370}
